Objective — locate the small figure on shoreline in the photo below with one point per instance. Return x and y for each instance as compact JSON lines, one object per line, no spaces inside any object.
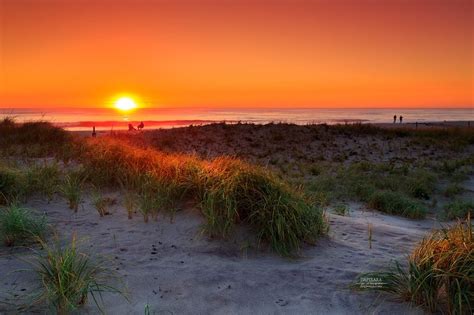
{"x":401,"y":119}
{"x":141,"y":126}
{"x":93,"y":132}
{"x":130,"y":127}
{"x":394,"y":118}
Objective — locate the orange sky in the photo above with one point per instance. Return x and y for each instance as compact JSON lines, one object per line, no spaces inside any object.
{"x":230,"y":53}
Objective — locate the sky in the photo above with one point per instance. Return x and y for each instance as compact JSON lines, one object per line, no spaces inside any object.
{"x":237,"y":53}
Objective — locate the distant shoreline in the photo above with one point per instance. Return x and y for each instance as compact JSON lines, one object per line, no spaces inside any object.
{"x":409,"y":125}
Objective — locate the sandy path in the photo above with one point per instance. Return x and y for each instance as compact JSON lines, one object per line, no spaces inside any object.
{"x":175,"y":269}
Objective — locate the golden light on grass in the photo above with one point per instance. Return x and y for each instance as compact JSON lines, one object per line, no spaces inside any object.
{"x":125,"y":103}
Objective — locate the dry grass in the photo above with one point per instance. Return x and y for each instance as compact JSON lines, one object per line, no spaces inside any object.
{"x":440,"y":274}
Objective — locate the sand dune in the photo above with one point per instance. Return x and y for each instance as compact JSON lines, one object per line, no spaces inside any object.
{"x":173,"y":268}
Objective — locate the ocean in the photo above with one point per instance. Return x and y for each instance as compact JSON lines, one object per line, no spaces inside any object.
{"x":109,"y":118}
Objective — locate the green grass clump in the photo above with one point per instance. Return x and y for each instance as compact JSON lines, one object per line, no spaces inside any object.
{"x":72,"y":189}
{"x":440,"y":272}
{"x":149,"y":199}
{"x":395,"y":203}
{"x":238,"y":192}
{"x":421,"y":184}
{"x":228,"y":191}
{"x":387,"y":188}
{"x":17,"y":184}
{"x":458,"y":209}
{"x":341,"y":209}
{"x":453,"y":190}
{"x":67,"y":277}
{"x":130,"y":201}
{"x":12,"y":185}
{"x":20,"y":226}
{"x":44,"y":179}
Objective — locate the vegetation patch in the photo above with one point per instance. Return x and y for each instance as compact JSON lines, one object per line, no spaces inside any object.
{"x":20,"y":226}
{"x":395,"y":203}
{"x":439,"y":275}
{"x":32,"y":139}
{"x":12,"y":184}
{"x":72,"y":188}
{"x":235,"y":192}
{"x":388,"y":188}
{"x":68,"y":276}
{"x":458,"y":209}
{"x":228,"y":191}
{"x":341,"y":209}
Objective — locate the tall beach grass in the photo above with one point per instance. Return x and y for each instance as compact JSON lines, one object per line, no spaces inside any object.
{"x":20,"y":226}
{"x":228,"y":191}
{"x":440,"y":272}
{"x":68,"y":276}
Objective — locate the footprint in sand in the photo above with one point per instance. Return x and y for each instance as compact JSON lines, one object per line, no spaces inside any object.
{"x":281,"y":302}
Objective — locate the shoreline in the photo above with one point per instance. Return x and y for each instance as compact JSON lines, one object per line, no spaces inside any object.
{"x":407,"y":125}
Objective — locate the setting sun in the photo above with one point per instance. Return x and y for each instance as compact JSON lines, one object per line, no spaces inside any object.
{"x":125,"y":103}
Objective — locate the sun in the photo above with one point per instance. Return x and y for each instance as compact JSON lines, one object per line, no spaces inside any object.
{"x":125,"y":104}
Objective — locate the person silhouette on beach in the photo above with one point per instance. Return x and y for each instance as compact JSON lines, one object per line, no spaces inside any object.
{"x":394,"y":118}
{"x":140,"y":126}
{"x":130,"y":127}
{"x":401,"y":119}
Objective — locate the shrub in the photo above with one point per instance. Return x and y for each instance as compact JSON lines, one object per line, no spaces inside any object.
{"x":20,"y":226}
{"x":458,"y":209}
{"x":396,"y":203}
{"x":440,"y":272}
{"x":68,"y":276}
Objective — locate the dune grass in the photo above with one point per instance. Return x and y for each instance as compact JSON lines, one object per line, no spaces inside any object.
{"x":395,"y":203}
{"x":101,"y":202}
{"x":341,"y":209}
{"x":455,"y":138}
{"x":17,"y":183}
{"x":43,"y":179}
{"x":440,"y":272}
{"x":130,"y":202}
{"x":68,"y":276}
{"x":458,"y":209}
{"x":238,"y":192}
{"x":71,"y":188}
{"x":392,"y":189}
{"x":228,"y":191}
{"x":12,"y":184}
{"x":31,"y":139}
{"x":453,"y":190}
{"x":20,"y":226}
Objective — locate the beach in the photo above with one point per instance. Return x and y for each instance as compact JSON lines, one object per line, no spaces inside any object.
{"x":169,"y":265}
